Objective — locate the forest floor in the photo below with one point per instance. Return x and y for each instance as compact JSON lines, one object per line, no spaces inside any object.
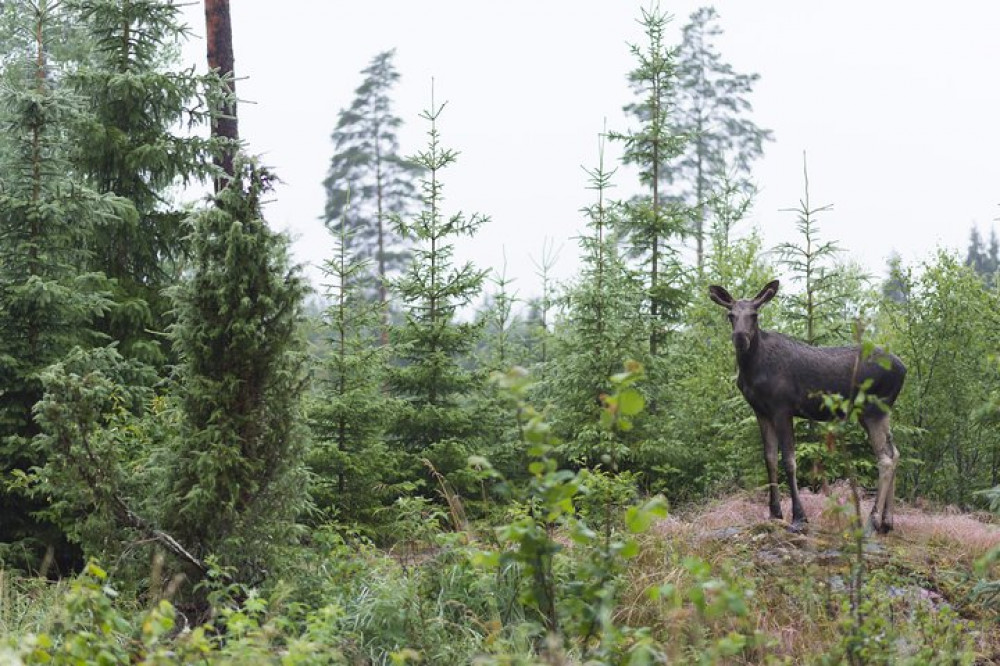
{"x":918,"y":584}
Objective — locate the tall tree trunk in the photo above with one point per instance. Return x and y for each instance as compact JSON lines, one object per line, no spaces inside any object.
{"x":219,"y":31}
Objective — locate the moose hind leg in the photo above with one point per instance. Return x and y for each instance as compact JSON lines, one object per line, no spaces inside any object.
{"x":886,"y":456}
{"x":890,"y":502}
{"x":769,"y":436}
{"x":786,"y":439}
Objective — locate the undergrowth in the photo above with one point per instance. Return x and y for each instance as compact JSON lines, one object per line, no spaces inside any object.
{"x":575,"y":569}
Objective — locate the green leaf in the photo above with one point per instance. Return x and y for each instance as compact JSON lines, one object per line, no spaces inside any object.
{"x":630,"y":549}
{"x":631,"y":402}
{"x":639,"y":518}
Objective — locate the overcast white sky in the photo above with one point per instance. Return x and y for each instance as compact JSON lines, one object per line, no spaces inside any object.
{"x":895,"y":102}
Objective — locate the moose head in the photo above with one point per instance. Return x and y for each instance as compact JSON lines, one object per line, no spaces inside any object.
{"x":743,"y":313}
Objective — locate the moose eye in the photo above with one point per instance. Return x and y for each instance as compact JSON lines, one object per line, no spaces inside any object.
{"x":731,"y":316}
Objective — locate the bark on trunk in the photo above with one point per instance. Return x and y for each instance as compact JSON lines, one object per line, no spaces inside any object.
{"x":219,"y":35}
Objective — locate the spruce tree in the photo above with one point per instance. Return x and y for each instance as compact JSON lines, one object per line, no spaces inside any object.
{"x":505,"y":343}
{"x":983,"y":259}
{"x":503,"y":339}
{"x":653,"y":223}
{"x":975,"y":257}
{"x":540,"y":309}
{"x":430,"y":379}
{"x":236,"y":474}
{"x":711,"y":106}
{"x":368,"y":170}
{"x":893,"y":289}
{"x":993,"y":257}
{"x":48,"y":298}
{"x":821,"y":313}
{"x":349,"y":459}
{"x":136,"y":143}
{"x":599,"y":333}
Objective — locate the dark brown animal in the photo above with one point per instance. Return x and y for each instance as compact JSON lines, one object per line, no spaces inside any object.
{"x":782,"y":378}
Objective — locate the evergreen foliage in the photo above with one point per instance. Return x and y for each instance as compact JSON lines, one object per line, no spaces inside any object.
{"x":368,"y":173}
{"x":350,"y":462}
{"x":48,"y":297}
{"x":135,"y":142}
{"x":602,"y":328}
{"x":506,"y":341}
{"x":984,"y":259}
{"x":653,"y":222}
{"x":503,"y":331}
{"x":893,"y":287}
{"x":236,"y":480}
{"x":540,"y":310}
{"x":101,"y":424}
{"x":822,"y":313}
{"x":430,"y":379}
{"x":832,"y":307}
{"x":711,"y":109}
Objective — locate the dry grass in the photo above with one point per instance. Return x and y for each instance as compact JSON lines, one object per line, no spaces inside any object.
{"x":975,"y":534}
{"x":796,"y":577}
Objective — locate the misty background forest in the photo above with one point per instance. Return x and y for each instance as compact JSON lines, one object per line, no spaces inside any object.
{"x":212,"y":455}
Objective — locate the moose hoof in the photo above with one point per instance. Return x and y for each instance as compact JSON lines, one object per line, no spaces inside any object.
{"x":799,"y":526}
{"x":878,"y":526}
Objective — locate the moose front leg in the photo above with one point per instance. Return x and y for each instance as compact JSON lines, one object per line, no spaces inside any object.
{"x":770,"y":438}
{"x":786,"y":440}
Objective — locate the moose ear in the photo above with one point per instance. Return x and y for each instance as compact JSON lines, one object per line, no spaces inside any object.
{"x":720,"y":296}
{"x":767,"y":293}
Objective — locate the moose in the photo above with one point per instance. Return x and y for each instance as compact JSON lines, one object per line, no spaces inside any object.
{"x":781,"y":378}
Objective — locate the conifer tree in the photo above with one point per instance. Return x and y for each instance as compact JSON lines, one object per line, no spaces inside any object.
{"x":711,"y":107}
{"x":368,"y":170}
{"x":349,"y":459}
{"x":48,"y":298}
{"x":136,"y":143}
{"x":893,"y":288}
{"x":539,"y":317}
{"x":993,"y":257}
{"x":985,"y":261}
{"x":653,"y":222}
{"x":974,"y":256}
{"x":429,"y":379}
{"x":601,"y":330}
{"x":501,"y":327}
{"x":236,"y":476}
{"x":237,"y":480}
{"x":821,"y":312}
